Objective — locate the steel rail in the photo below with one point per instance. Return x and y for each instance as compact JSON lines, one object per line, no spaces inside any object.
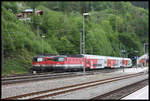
{"x":40,"y":77}
{"x":98,"y":82}
{"x":26,"y":78}
{"x":31,"y":75}
{"x":53,"y":73}
{"x":118,"y":90}
{"x":131,"y":92}
{"x":79,"y":88}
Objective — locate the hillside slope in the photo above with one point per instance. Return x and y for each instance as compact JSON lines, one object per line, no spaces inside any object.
{"x":109,"y":26}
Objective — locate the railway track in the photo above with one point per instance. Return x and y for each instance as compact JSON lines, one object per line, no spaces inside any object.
{"x":50,"y":75}
{"x":122,"y":92}
{"x":28,"y":78}
{"x":62,"y":90}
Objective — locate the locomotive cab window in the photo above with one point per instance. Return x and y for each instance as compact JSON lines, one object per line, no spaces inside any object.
{"x":49,"y":59}
{"x":36,"y":59}
{"x":39,"y":59}
{"x":61,"y":59}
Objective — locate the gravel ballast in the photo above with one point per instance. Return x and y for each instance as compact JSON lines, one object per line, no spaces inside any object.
{"x":23,"y":88}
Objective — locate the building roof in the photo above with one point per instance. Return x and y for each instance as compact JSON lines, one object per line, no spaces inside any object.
{"x":28,"y":10}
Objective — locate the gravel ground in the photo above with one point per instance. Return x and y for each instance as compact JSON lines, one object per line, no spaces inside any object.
{"x":91,"y":92}
{"x":23,"y":88}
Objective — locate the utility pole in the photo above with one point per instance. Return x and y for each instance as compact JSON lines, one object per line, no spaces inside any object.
{"x":126,"y":55}
{"x":83,"y":45}
{"x":120,"y":49}
{"x":123,"y":51}
{"x":84,"y":14}
{"x":42,"y":43}
{"x":2,"y":54}
{"x":145,"y":47}
{"x":81,"y":42}
{"x":123,"y":61}
{"x":136,"y":58}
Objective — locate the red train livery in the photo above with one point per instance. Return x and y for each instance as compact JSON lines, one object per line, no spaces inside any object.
{"x":78,"y":62}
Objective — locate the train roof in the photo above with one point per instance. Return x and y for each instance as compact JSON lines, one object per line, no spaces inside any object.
{"x":76,"y":55}
{"x":80,"y":55}
{"x":102,"y":57}
{"x":53,"y":55}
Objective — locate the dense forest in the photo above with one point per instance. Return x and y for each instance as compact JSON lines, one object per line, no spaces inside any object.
{"x":110,"y":27}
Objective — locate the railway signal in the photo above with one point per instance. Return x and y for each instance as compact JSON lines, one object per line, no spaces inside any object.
{"x":144,"y":47}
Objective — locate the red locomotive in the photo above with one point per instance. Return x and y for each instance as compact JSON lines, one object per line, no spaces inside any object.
{"x":78,"y":62}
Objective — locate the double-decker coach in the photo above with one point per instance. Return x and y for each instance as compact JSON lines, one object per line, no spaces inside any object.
{"x":96,"y":61}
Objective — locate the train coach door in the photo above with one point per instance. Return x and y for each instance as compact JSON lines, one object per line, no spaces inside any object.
{"x":100,"y":63}
{"x":108,"y":63}
{"x":87,"y":63}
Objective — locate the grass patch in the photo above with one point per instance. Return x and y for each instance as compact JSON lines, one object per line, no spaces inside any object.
{"x":12,"y":67}
{"x":17,"y":63}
